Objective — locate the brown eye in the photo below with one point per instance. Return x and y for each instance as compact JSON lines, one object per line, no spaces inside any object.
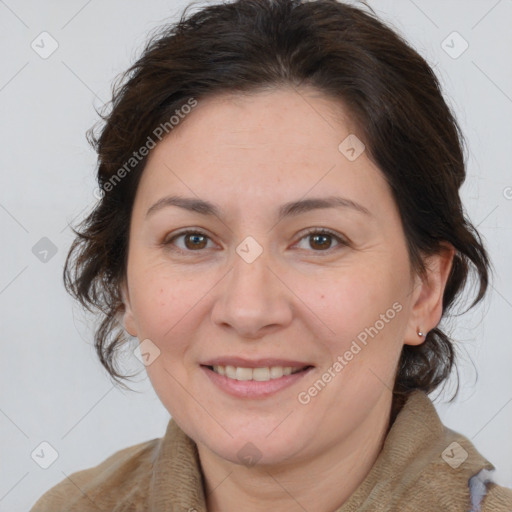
{"x":193,"y":241}
{"x":321,"y":240}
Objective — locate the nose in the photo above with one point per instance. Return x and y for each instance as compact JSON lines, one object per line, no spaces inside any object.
{"x":253,"y":299}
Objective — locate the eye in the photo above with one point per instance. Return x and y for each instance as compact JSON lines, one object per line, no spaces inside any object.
{"x":322,"y":239}
{"x":194,"y":240}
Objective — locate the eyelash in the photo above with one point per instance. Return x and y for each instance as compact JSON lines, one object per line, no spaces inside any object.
{"x":317,"y":231}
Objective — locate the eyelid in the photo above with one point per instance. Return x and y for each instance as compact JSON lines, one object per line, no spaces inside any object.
{"x":195,"y":231}
{"x":342,"y":241}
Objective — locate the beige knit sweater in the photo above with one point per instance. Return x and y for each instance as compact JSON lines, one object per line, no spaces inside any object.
{"x":423,"y":467}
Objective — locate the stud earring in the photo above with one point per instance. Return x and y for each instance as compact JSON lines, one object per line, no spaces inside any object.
{"x":420,"y":334}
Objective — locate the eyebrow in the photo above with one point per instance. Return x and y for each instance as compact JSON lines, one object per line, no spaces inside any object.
{"x":290,"y":209}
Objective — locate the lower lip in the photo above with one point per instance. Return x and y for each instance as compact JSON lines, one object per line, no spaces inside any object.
{"x":253,"y":388}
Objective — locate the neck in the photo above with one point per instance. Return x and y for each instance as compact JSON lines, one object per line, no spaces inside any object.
{"x":322,"y":483}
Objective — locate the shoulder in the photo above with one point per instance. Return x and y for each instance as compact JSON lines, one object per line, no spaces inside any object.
{"x":497,"y":499}
{"x":438,"y":466}
{"x":461,"y":473}
{"x":122,"y":478}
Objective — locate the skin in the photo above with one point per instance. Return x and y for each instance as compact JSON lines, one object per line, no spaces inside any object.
{"x":299,"y":299}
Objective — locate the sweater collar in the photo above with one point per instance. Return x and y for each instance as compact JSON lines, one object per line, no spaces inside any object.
{"x":422,"y":466}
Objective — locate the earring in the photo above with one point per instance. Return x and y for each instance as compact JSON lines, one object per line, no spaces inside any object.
{"x":420,"y":334}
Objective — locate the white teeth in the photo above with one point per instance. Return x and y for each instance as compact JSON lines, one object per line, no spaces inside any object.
{"x":258,"y":374}
{"x":243,"y":374}
{"x":261,"y":374}
{"x":220,"y":370}
{"x":276,"y":372}
{"x":230,"y":371}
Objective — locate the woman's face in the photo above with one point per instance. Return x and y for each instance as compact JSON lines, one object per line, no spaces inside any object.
{"x":270,"y":281}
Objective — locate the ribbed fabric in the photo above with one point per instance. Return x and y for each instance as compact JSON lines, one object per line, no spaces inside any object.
{"x":417,"y":471}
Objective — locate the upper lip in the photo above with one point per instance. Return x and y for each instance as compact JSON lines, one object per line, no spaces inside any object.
{"x":253,"y":363}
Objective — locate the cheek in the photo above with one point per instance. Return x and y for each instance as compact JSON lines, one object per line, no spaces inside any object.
{"x":365,"y":314}
{"x":165,"y":315}
{"x":354,"y":300}
{"x":160,"y":302}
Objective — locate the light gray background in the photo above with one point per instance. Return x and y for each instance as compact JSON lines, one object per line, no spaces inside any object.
{"x":52,"y":387}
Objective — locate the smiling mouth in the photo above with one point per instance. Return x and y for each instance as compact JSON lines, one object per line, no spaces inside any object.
{"x":257,"y":374}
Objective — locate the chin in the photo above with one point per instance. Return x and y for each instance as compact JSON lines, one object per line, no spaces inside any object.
{"x":249,"y":454}
{"x":255,"y":446}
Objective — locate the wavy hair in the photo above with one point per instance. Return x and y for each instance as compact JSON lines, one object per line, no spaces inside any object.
{"x":348,"y":54}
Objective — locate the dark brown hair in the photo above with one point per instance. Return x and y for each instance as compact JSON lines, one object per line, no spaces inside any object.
{"x":348,"y":54}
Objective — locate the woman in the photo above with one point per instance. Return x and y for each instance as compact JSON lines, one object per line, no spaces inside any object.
{"x":276,"y":229}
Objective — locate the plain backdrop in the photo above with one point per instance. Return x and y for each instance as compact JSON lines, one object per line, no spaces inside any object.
{"x":53,"y":389}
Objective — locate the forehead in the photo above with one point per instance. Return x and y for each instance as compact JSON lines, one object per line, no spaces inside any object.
{"x":298,"y":116}
{"x":274,"y":144}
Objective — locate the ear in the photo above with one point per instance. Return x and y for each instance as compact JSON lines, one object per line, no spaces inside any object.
{"x":128,"y":318}
{"x":427,"y":307}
